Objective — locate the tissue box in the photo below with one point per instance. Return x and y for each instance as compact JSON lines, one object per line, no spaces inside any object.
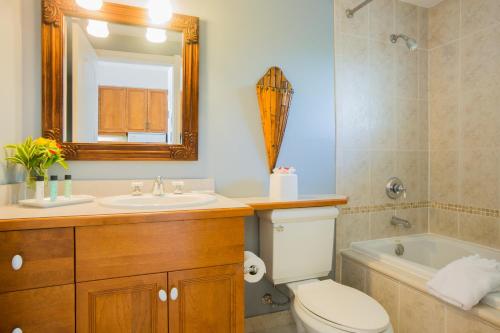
{"x":283,"y":187}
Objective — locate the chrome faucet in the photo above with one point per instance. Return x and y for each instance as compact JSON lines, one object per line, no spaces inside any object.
{"x":159,"y":186}
{"x":399,"y":221}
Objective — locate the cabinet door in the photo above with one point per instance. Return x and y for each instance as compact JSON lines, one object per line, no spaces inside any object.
{"x":137,"y":109}
{"x":157,"y":110}
{"x":209,"y":300}
{"x":112,"y":110}
{"x":123,"y":305}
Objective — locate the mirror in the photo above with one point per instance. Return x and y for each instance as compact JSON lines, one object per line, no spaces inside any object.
{"x":122,"y":83}
{"x":115,"y":86}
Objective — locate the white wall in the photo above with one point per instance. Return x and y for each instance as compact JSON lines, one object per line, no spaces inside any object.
{"x":132,"y":75}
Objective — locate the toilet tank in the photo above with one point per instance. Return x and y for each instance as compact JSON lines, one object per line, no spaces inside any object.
{"x":297,"y":244}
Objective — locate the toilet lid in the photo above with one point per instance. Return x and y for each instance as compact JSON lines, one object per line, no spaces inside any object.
{"x":344,"y":306}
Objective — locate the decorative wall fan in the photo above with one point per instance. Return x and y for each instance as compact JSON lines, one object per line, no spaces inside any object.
{"x":275,"y":93}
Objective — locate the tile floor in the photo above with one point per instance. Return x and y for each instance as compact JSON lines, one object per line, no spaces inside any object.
{"x":277,"y":322}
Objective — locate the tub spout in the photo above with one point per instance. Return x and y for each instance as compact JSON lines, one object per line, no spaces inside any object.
{"x":399,"y":221}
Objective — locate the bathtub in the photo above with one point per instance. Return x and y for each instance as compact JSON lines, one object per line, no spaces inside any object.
{"x":425,"y":254}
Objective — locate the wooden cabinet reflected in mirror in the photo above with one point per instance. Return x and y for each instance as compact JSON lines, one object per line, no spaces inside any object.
{"x":113,"y":89}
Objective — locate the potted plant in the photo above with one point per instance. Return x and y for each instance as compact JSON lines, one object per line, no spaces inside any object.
{"x":36,"y":157}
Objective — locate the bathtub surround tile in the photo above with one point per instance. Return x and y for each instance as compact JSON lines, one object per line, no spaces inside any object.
{"x":408,"y":129}
{"x":353,"y":275}
{"x":408,"y":166}
{"x":352,"y":228}
{"x":354,"y":178}
{"x":406,"y":72}
{"x":458,"y":321}
{"x":420,"y":312}
{"x":383,"y":166}
{"x":417,"y":218}
{"x":443,"y":222}
{"x":444,"y":176}
{"x":479,"y":14}
{"x":423,"y":74}
{"x":380,"y":225}
{"x":444,"y":67}
{"x":358,"y":24}
{"x":444,"y":21}
{"x":407,"y":19}
{"x":386,"y":291}
{"x":479,"y":178}
{"x":423,"y":27}
{"x":480,"y":229}
{"x":381,"y":19}
{"x":444,"y":123}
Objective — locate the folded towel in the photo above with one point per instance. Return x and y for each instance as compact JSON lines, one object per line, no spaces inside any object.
{"x":466,"y":281}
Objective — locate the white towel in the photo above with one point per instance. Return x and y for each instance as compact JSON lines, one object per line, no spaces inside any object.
{"x":464,"y":282}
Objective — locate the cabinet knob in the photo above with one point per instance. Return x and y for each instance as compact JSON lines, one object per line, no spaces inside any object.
{"x":17,"y":263}
{"x":174,"y":293}
{"x":17,"y":330}
{"x":162,"y":295}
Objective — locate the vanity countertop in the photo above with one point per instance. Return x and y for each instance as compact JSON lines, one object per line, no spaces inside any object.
{"x":15,"y":217}
{"x":304,"y":201}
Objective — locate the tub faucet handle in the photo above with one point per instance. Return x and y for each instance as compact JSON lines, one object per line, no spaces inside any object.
{"x":395,"y":188}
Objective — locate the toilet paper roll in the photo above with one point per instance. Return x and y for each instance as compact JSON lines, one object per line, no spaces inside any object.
{"x":254,"y":267}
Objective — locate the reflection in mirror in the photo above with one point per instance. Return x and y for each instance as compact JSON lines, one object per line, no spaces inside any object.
{"x":122,"y":83}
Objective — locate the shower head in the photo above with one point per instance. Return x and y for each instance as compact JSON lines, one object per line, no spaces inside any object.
{"x":410,"y":42}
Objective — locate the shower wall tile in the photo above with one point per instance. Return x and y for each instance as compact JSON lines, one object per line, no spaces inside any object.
{"x":444,"y":66}
{"x":464,"y":83}
{"x":381,"y":19}
{"x":444,"y":23}
{"x":382,"y":115}
{"x":479,"y":14}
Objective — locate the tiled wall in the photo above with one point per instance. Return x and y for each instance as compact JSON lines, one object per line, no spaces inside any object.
{"x":464,"y":81}
{"x":382,"y":118}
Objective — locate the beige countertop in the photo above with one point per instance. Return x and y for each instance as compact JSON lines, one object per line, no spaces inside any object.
{"x":15,"y":217}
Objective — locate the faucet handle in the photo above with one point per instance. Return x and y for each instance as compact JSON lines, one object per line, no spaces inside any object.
{"x":159,"y":186}
{"x":137,"y":188}
{"x":178,"y":186}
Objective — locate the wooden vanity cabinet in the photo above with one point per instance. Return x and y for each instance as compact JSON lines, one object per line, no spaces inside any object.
{"x":180,"y":276}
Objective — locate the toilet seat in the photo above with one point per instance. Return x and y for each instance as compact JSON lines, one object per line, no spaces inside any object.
{"x":342,"y":307}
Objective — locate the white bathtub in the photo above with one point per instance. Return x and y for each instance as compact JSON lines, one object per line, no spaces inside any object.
{"x":425,"y":254}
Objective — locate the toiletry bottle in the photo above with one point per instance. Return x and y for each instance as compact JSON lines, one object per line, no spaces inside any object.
{"x":67,"y":186}
{"x":40,"y":188}
{"x":53,"y":188}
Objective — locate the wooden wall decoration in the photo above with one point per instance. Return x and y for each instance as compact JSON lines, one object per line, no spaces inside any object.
{"x":274,"y":93}
{"x":53,"y":12}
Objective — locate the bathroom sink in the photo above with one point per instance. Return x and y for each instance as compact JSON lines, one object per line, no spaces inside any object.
{"x":149,"y":201}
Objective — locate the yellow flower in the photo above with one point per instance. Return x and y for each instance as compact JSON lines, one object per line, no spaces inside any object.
{"x":42,"y":142}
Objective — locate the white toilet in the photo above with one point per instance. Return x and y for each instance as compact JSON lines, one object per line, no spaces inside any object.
{"x":297,"y":248}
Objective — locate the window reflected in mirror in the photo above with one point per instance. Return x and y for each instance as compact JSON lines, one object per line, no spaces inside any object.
{"x":122,"y":83}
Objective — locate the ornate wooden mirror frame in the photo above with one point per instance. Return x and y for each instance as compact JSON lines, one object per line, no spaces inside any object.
{"x":53,"y":12}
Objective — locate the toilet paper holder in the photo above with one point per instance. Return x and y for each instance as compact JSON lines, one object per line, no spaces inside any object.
{"x":252,"y":270}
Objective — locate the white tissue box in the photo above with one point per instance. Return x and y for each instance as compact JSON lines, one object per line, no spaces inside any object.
{"x":283,"y":187}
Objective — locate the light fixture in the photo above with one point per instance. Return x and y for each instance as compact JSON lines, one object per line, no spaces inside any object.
{"x":160,"y":11}
{"x":98,"y":28}
{"x":90,"y":4}
{"x":156,"y":35}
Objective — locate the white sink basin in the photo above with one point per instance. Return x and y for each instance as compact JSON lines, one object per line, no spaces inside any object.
{"x":149,"y":201}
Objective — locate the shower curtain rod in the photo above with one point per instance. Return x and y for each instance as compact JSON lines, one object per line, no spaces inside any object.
{"x":350,"y":12}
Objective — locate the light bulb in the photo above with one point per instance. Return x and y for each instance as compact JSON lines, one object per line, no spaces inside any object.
{"x":98,"y":28}
{"x":90,"y":4}
{"x":156,"y":35}
{"x":160,"y":11}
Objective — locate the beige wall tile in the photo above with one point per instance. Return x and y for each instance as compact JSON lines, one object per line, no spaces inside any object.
{"x":444,"y":123}
{"x":380,"y":225}
{"x":383,"y":167}
{"x":479,"y":178}
{"x":353,"y":275}
{"x":407,"y":111}
{"x":352,"y":228}
{"x":357,"y":25}
{"x":386,"y":291}
{"x":354,"y":176}
{"x":381,"y":19}
{"x":423,"y":121}
{"x":423,"y":74}
{"x":479,"y":14}
{"x":444,"y":176}
{"x":444,"y":66}
{"x":423,"y":27}
{"x":444,"y":20}
{"x":407,"y":19}
{"x":480,"y":118}
{"x":419,"y":312}
{"x":481,"y":60}
{"x":406,"y":72}
{"x":408,"y":164}
{"x":418,"y":218}
{"x":458,"y":321}
{"x":381,"y":68}
{"x":443,"y":222}
{"x":480,"y":229}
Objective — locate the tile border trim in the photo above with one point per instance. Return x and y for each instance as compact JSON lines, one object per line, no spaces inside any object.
{"x":422,"y":204}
